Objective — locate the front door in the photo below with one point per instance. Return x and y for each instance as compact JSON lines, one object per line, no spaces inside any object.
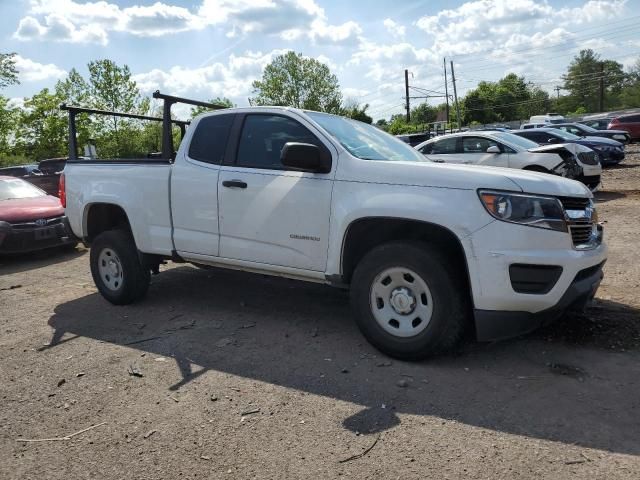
{"x":270,"y":214}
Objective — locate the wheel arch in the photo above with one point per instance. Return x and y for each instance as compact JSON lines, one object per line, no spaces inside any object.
{"x":366,"y":233}
{"x":101,"y":216}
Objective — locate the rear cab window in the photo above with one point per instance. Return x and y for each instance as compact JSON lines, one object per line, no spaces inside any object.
{"x":209,"y":141}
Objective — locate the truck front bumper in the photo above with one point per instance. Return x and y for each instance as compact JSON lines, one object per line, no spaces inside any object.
{"x":496,"y":324}
{"x":523,"y":277}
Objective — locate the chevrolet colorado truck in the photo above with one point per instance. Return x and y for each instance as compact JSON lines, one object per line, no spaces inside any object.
{"x":429,"y":251}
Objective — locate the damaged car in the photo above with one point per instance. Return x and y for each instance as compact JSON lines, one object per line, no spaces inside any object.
{"x":503,"y":149}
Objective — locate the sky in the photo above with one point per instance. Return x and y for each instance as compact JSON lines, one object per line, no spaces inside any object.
{"x":207,"y":48}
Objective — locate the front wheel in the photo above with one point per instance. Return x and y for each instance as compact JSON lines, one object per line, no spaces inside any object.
{"x":409,"y":301}
{"x":116,"y":268}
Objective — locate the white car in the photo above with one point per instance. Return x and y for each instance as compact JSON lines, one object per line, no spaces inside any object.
{"x":503,"y":149}
{"x":427,"y":250}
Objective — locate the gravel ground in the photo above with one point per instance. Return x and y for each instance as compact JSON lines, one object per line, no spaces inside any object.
{"x":230,"y":375}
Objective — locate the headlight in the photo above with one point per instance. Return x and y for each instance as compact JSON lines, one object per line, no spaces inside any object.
{"x":619,"y":137}
{"x":530,"y":210}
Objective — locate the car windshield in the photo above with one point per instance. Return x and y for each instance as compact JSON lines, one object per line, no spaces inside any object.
{"x":15,"y":188}
{"x":516,"y":140}
{"x":365,"y":141}
{"x":587,"y":128}
{"x":565,"y":135}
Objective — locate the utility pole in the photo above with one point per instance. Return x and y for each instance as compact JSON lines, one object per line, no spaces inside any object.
{"x":406,"y":92}
{"x":557,"y":89}
{"x":446,"y":91}
{"x":455,"y":96}
{"x":601,"y":103}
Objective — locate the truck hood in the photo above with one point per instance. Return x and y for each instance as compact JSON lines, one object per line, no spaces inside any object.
{"x":466,"y":177}
{"x":28,"y":209}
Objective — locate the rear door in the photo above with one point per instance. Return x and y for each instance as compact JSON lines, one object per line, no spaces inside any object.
{"x":443,"y":150}
{"x":194,"y":186}
{"x":270,"y":214}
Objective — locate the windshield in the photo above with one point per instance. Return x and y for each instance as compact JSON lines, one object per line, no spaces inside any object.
{"x":516,"y":140}
{"x":16,"y":188}
{"x":365,"y":141}
{"x":587,"y":128}
{"x":565,"y":135}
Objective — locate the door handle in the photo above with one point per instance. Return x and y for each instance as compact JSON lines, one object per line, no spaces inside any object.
{"x":234,"y":184}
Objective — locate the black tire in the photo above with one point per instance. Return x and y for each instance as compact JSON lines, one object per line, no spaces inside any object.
{"x":134,"y":277}
{"x":448,"y":289}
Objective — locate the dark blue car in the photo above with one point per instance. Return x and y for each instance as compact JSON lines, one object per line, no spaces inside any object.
{"x":611,"y":152}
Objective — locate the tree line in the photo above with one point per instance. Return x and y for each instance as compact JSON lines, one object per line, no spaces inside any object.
{"x":590,"y":84}
{"x":38,"y":128}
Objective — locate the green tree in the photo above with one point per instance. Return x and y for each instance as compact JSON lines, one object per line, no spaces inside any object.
{"x":582,"y":81}
{"x":224,"y":101}
{"x":8,"y":122}
{"x":112,"y":88}
{"x":42,"y":132}
{"x":630,"y":94}
{"x":353,"y":109}
{"x":423,"y":114}
{"x":8,"y":71}
{"x":295,"y":81}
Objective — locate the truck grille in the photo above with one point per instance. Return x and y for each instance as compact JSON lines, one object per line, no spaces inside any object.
{"x":580,"y":227}
{"x":581,"y":234}
{"x":574,"y":203}
{"x":589,"y":158}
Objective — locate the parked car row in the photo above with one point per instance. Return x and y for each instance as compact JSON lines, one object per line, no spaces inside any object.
{"x":610,"y":152}
{"x":503,"y":149}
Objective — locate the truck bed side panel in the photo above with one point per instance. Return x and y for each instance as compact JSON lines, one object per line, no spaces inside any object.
{"x":141,"y":190}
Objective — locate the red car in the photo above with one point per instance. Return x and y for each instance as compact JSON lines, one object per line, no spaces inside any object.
{"x":630,"y":123}
{"x":30,"y":219}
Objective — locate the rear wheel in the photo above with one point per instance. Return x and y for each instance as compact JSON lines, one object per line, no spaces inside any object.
{"x":116,"y":268}
{"x":409,"y":302}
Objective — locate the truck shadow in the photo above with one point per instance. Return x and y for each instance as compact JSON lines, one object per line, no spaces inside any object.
{"x":301,"y":336}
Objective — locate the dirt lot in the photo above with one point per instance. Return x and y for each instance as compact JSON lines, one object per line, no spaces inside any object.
{"x":228,"y":375}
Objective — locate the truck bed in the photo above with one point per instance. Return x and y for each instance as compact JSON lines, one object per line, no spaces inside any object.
{"x":139,"y":186}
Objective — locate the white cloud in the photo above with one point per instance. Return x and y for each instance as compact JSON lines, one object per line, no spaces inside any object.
{"x":388,"y":61}
{"x":479,"y":26}
{"x":232,"y":79}
{"x":394,"y":28}
{"x":30,"y":71}
{"x":346,"y":34}
{"x":90,"y":22}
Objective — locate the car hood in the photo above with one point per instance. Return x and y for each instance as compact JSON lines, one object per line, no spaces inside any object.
{"x":467,"y":177}
{"x":599,"y":142}
{"x":29,"y":209}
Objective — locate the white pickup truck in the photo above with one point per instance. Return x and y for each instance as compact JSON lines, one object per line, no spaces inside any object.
{"x":428,"y":250}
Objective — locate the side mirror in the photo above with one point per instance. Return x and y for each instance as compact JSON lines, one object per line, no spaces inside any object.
{"x":305,"y":157}
{"x":493,"y":149}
